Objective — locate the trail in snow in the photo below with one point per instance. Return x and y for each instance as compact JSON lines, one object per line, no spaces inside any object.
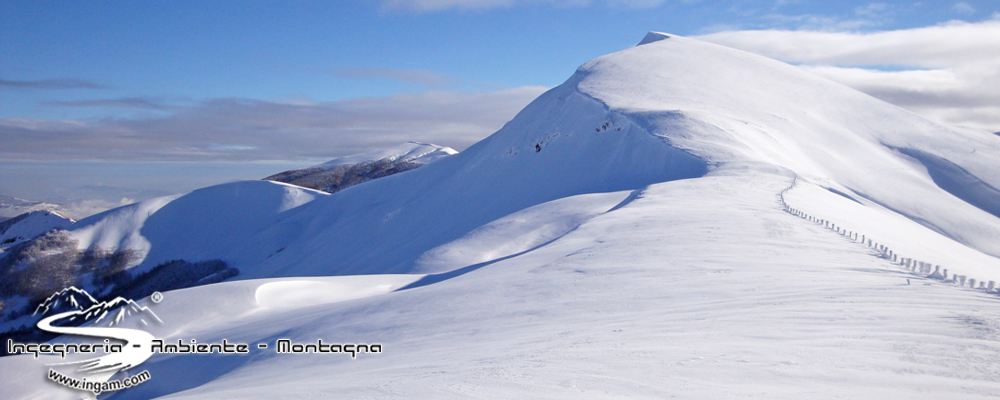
{"x":918,"y":268}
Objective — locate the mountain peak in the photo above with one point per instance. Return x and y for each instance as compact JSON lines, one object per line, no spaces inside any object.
{"x":29,"y":225}
{"x":653,"y":37}
{"x":416,"y":152}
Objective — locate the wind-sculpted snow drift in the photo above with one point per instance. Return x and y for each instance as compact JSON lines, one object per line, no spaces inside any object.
{"x":622,"y":235}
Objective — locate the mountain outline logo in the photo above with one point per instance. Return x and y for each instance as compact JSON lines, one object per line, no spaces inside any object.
{"x":73,"y":311}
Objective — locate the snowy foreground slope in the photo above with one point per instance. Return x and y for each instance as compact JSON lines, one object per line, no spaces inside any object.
{"x":623,"y":236}
{"x":695,"y":289}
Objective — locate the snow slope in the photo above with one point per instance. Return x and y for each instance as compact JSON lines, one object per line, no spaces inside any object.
{"x":622,"y":236}
{"x":205,"y":224}
{"x":695,"y":289}
{"x":29,"y":225}
{"x":732,"y":107}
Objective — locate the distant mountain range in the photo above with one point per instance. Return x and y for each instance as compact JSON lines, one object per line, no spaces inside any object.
{"x":342,"y":173}
{"x":11,"y":206}
{"x":29,"y":225}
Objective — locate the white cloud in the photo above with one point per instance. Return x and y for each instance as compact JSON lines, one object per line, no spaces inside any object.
{"x":963,"y":8}
{"x":960,"y":96}
{"x":929,"y":47}
{"x":253,"y":130}
{"x":948,"y":72}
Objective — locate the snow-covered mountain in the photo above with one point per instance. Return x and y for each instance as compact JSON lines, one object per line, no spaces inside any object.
{"x":29,"y":225}
{"x":670,"y":109}
{"x":676,"y":219}
{"x":341,"y":173}
{"x":415,"y":152}
{"x":11,"y":206}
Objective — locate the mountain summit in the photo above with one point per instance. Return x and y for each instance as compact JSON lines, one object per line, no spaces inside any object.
{"x":672,"y":108}
{"x":738,"y":110}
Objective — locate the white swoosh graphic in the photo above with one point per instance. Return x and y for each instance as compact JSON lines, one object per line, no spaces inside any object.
{"x":104,"y":367}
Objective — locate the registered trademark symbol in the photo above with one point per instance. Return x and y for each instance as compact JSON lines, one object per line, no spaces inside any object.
{"x":156,"y":297}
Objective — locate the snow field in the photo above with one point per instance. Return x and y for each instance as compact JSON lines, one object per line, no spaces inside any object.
{"x":699,"y":288}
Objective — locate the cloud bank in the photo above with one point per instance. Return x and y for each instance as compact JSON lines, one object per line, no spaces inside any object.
{"x":123,"y":102}
{"x":948,"y":72}
{"x":51,"y":84}
{"x":256,"y":130}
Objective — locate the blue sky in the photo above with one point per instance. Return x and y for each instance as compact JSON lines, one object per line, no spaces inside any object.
{"x":138,"y":94}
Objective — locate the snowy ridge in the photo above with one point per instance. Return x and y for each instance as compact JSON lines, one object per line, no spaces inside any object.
{"x":415,"y":152}
{"x":29,"y":225}
{"x":11,"y":207}
{"x":653,"y":37}
{"x":748,"y":110}
{"x":200,"y":225}
{"x":345,"y":172}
